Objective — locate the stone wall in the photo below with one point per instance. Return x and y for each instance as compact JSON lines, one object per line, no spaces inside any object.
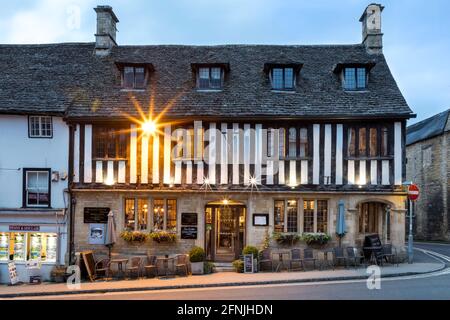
{"x":257,"y":202}
{"x":428,"y":167}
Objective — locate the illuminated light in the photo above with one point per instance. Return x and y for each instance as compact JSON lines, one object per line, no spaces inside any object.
{"x":360,"y":186}
{"x":225,"y":201}
{"x":253,"y":181}
{"x":206,"y":181}
{"x":109,"y":182}
{"x":149,"y":127}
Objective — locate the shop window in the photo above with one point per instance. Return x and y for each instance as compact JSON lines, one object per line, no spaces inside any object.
{"x":315,"y":216}
{"x":278,"y":215}
{"x":165,"y":215}
{"x":308,"y":216}
{"x":109,"y":143}
{"x":21,"y":247}
{"x":292,"y":216}
{"x":36,"y":188}
{"x":285,"y":216}
{"x":136,"y":214}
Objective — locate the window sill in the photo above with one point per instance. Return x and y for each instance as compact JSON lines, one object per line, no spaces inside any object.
{"x":369,"y":158}
{"x":132,"y":90}
{"x":283,"y":91}
{"x":209,"y":90}
{"x":356,"y":90}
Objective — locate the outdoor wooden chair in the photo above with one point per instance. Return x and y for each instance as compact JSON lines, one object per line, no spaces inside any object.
{"x":354,"y":257}
{"x":389,"y":254}
{"x":308,"y":256}
{"x":338,"y":255}
{"x":182,"y":264}
{"x":135,"y":267}
{"x":266,"y":259}
{"x":102,"y":269}
{"x":296,"y":258}
{"x":150,"y":267}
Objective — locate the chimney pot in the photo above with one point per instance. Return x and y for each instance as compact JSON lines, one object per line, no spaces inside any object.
{"x":105,"y":37}
{"x":372,"y":37}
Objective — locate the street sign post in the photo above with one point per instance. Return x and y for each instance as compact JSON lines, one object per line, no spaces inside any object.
{"x":413,"y":195}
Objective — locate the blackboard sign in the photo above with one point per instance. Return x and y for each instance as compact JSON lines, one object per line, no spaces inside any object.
{"x":96,"y":215}
{"x":372,"y":244}
{"x":89,"y":263}
{"x":248,"y":263}
{"x":188,"y":232}
{"x":189,"y":218}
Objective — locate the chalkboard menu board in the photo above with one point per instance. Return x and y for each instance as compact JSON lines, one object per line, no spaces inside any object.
{"x":188,"y":232}
{"x":89,"y":263}
{"x":248,"y":263}
{"x":189,"y":218}
{"x":96,"y":215}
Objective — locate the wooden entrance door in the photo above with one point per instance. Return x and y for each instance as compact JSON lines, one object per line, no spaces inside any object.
{"x":224,"y":232}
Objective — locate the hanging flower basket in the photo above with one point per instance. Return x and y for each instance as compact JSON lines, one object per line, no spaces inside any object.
{"x":134,"y":236}
{"x":316,"y":238}
{"x":163,"y":236}
{"x":286,"y":238}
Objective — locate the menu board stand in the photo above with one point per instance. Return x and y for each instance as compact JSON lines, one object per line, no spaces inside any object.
{"x":248,"y":263}
{"x":14,"y":279}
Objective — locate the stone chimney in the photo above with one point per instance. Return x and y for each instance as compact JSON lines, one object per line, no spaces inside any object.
{"x":105,"y":38}
{"x":371,"y":28}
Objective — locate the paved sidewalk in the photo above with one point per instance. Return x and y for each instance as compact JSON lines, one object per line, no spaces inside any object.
{"x":215,"y":280}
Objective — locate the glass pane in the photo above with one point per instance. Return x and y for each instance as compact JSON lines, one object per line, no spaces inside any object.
{"x":384,"y":142}
{"x":4,"y":246}
{"x":46,"y":125}
{"x":282,"y":142}
{"x":140,"y":77}
{"x":128,"y":77}
{"x":279,"y":216}
{"x":303,"y":142}
{"x":34,"y":126}
{"x":288,"y":78}
{"x":129,"y":214}
{"x":18,"y":245}
{"x":50,"y":246}
{"x":308,"y":216}
{"x":270,"y":136}
{"x":292,"y":142}
{"x":277,"y":78}
{"x":361,"y":78}
{"x":35,"y":246}
{"x":171,"y":223}
{"x":362,"y":142}
{"x":373,"y":142}
{"x":322,"y":216}
{"x":351,"y":142}
{"x":158,"y":214}
{"x":349,"y":79}
{"x":42,"y":181}
{"x":203,"y":73}
{"x":292,"y":216}
{"x":32,"y":180}
{"x":142,"y":214}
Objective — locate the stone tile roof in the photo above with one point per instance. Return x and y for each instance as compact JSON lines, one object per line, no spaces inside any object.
{"x":69,"y":78}
{"x":428,"y":128}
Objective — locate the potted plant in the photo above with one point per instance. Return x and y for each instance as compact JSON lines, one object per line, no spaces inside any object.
{"x":208,"y":267}
{"x":255,"y":252}
{"x":197,"y":259}
{"x":163,"y":236}
{"x":316,"y":239}
{"x":238,"y":266}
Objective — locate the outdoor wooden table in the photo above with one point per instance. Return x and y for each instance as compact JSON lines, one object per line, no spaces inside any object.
{"x":165,"y":262}
{"x":120,"y":263}
{"x":281,"y":259}
{"x":373,"y":257}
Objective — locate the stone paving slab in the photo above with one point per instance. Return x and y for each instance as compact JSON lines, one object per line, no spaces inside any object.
{"x":219,"y":279}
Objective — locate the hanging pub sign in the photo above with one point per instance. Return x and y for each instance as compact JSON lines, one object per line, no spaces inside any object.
{"x":188,"y":232}
{"x":248,"y":263}
{"x":96,"y":215}
{"x":189,"y":218}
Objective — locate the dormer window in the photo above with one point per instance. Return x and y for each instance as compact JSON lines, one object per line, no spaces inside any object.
{"x":282,"y":75}
{"x":282,"y":78}
{"x":209,"y":76}
{"x":134,"y":75}
{"x":134,"y":78}
{"x":355,"y":79}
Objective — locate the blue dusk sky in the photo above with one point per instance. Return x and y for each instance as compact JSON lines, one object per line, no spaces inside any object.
{"x":416,"y":32}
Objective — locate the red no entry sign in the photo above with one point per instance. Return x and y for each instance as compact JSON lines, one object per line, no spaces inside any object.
{"x":413,"y":192}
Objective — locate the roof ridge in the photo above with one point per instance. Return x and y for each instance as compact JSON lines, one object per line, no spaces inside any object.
{"x":413,"y":126}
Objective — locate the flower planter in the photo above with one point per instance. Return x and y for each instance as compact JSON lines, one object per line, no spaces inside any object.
{"x":197,"y":267}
